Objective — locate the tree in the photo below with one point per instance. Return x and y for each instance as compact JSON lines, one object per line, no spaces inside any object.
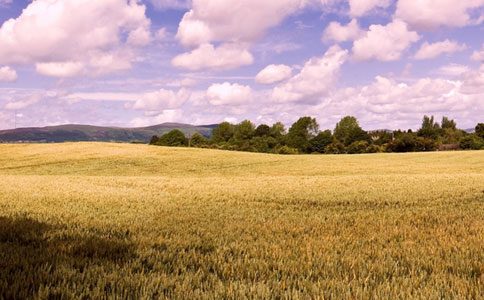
{"x":278,"y":130}
{"x":301,"y":133}
{"x":174,"y":138}
{"x":198,"y":140}
{"x":262,"y":130}
{"x":424,"y":144}
{"x":448,"y":124}
{"x":321,"y":141}
{"x":348,"y":130}
{"x":223,"y":132}
{"x":405,"y":142}
{"x":154,"y":140}
{"x":357,"y":147}
{"x":336,"y":147}
{"x":429,"y":129}
{"x":244,"y":131}
{"x":480,"y":130}
{"x":472,"y":142}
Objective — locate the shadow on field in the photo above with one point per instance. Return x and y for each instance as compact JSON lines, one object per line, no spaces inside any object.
{"x":33,"y":258}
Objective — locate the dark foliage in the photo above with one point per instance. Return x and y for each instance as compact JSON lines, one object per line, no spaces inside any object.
{"x":348,"y":137}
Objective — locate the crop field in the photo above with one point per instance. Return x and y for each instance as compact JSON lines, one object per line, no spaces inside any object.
{"x":104,"y":221}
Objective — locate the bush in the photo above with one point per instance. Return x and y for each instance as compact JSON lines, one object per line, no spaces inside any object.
{"x":357,"y":147}
{"x":174,"y":138}
{"x":287,"y":150}
{"x":374,"y":149}
{"x":198,"y":140}
{"x":472,"y":142}
{"x":335,"y":147}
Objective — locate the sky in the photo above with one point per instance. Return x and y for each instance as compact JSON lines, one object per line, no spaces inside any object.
{"x":135,"y":63}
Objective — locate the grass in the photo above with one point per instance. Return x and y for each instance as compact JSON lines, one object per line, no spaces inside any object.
{"x":95,"y":220}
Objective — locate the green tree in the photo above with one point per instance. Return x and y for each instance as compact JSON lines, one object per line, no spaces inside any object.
{"x":348,"y":130}
{"x":448,"y":124}
{"x":301,"y":133}
{"x":154,"y":140}
{"x":480,"y":130}
{"x":429,"y":129}
{"x":278,"y":130}
{"x":336,"y":147}
{"x":244,"y":131}
{"x":174,"y":138}
{"x":223,"y":132}
{"x":357,"y":147}
{"x":198,"y":140}
{"x":262,"y":130}
{"x":472,"y":142}
{"x":404,"y":142}
{"x":321,"y":141}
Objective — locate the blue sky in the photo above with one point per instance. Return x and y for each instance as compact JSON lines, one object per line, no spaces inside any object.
{"x":139,"y":63}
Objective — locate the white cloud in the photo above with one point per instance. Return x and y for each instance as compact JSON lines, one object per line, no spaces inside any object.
{"x":316,"y":79}
{"x":224,"y":57}
{"x":339,"y":33}
{"x":233,"y":20}
{"x":359,"y":8}
{"x":162,"y":100}
{"x":161,"y":34}
{"x":428,"y":51}
{"x":431,"y":14}
{"x":385,"y":43}
{"x":473,"y":84}
{"x":229,"y":94}
{"x":478,"y":55}
{"x":7,"y":74}
{"x":64,"y":69}
{"x":273,"y":74}
{"x":83,"y":32}
{"x":452,"y":70}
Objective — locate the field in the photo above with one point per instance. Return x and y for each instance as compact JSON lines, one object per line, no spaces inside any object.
{"x":94,"y":220}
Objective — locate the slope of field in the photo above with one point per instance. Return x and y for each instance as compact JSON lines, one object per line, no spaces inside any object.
{"x":76,"y":133}
{"x":95,"y":220}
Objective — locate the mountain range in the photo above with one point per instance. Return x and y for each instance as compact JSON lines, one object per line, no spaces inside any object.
{"x":78,"y":133}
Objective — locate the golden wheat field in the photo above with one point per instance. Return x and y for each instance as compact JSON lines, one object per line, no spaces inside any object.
{"x":106,"y":221}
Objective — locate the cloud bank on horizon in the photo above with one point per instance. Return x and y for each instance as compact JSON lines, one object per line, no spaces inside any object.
{"x":137,"y":63}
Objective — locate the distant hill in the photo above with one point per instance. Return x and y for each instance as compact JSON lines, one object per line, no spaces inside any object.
{"x":78,"y":133}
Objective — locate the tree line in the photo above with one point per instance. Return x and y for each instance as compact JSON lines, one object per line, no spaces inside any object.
{"x":348,"y":137}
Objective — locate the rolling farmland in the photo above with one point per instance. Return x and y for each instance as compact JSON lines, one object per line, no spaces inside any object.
{"x":100,"y":220}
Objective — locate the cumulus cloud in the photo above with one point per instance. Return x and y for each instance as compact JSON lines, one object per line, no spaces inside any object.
{"x":231,"y":22}
{"x":316,"y":79}
{"x":224,"y":57}
{"x":428,"y":51}
{"x":478,"y":55}
{"x":229,"y":94}
{"x":162,"y":100}
{"x":431,"y":14}
{"x":75,"y":33}
{"x":359,"y":8}
{"x":385,"y":43}
{"x":340,"y":33}
{"x":7,"y":74}
{"x":273,"y":74}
